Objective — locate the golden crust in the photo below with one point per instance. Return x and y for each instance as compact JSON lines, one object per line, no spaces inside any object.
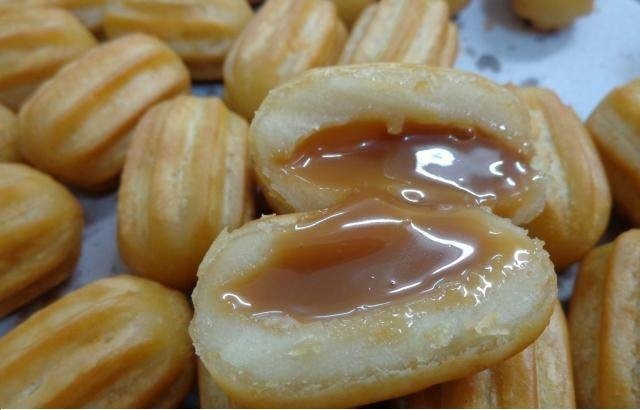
{"x":604,"y":323}
{"x":40,"y":234}
{"x":124,"y":343}
{"x":403,"y":31}
{"x":349,"y":10}
{"x":77,"y":126}
{"x":538,"y":377}
{"x":186,"y":178}
{"x":89,"y":12}
{"x":615,"y":127}
{"x":201,"y":32}
{"x":578,"y":201}
{"x":551,"y":14}
{"x":285,"y":38}
{"x":34,"y":44}
{"x":8,"y":136}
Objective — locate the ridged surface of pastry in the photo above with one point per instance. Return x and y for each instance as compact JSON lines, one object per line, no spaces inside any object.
{"x":201,"y":32}
{"x":89,"y":12}
{"x":538,"y":377}
{"x":349,"y":10}
{"x":393,"y":94}
{"x":8,"y":136}
{"x":77,"y":126}
{"x":40,"y":235}
{"x":117,"y":342}
{"x":603,"y":320}
{"x":578,"y":201}
{"x":551,"y":14}
{"x":34,"y":44}
{"x":285,"y":38}
{"x":376,"y":354}
{"x":615,"y":127}
{"x":186,"y":178}
{"x":403,"y":31}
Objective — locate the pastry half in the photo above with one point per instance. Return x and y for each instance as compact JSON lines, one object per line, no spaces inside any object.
{"x":547,"y":15}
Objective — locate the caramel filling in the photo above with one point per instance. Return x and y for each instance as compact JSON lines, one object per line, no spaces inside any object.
{"x":368,"y":253}
{"x":423,"y":165}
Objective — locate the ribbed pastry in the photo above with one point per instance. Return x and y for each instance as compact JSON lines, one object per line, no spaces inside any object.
{"x":120,"y":342}
{"x":551,"y":14}
{"x":89,"y":12}
{"x":349,"y":10}
{"x":285,"y":38}
{"x":578,"y":201}
{"x":34,"y":44}
{"x":403,"y":31}
{"x":538,"y":377}
{"x":77,"y":126}
{"x":604,"y":322}
{"x":615,"y":127}
{"x":8,"y":136}
{"x":40,"y":235}
{"x":393,"y":94}
{"x":201,"y":32}
{"x":186,"y":178}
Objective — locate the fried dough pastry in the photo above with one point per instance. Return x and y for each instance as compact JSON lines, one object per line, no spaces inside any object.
{"x":201,"y":32}
{"x":34,"y":44}
{"x":456,"y":5}
{"x":118,"y":342}
{"x":210,"y":394}
{"x":77,"y":126}
{"x":615,"y":127}
{"x":186,"y":178}
{"x":547,"y":15}
{"x":578,"y":201}
{"x":403,"y":31}
{"x":40,"y":235}
{"x":539,"y":377}
{"x":603,"y":322}
{"x":8,"y":136}
{"x":432,"y":136}
{"x":89,"y":12}
{"x":285,"y":38}
{"x":349,"y":10}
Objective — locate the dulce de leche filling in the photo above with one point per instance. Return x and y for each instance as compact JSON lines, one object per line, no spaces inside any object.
{"x":379,"y":246}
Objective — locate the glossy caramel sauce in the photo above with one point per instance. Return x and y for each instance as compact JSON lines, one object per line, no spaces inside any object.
{"x":368,"y":253}
{"x":424,"y":165}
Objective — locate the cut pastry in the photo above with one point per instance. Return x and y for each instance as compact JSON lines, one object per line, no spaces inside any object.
{"x":120,"y":342}
{"x":430,"y":136}
{"x":77,"y":126}
{"x":349,"y":10}
{"x":201,"y":32}
{"x":209,"y":393}
{"x":34,"y":44}
{"x":341,"y":307}
{"x":285,"y":38}
{"x":185,"y":179}
{"x":403,"y":31}
{"x":539,"y":377}
{"x":603,"y":322}
{"x":578,"y":201}
{"x":615,"y":126}
{"x":89,"y":12}
{"x":8,"y":136}
{"x":551,"y":14}
{"x":40,"y":235}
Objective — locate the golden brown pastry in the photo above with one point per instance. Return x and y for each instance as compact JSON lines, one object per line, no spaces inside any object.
{"x":40,"y":235}
{"x":89,"y":12}
{"x":603,"y":320}
{"x":77,"y":126}
{"x":201,"y":32}
{"x":578,"y":201}
{"x":539,"y":377}
{"x":403,"y":31}
{"x":456,"y":5}
{"x":118,"y":342}
{"x":285,"y":38}
{"x":210,"y":394}
{"x":551,"y":14}
{"x":432,"y":136}
{"x":8,"y":136}
{"x":186,"y":178}
{"x":34,"y":44}
{"x":349,"y":10}
{"x":615,"y":127}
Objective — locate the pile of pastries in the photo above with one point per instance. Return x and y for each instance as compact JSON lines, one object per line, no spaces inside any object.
{"x":354,"y":223}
